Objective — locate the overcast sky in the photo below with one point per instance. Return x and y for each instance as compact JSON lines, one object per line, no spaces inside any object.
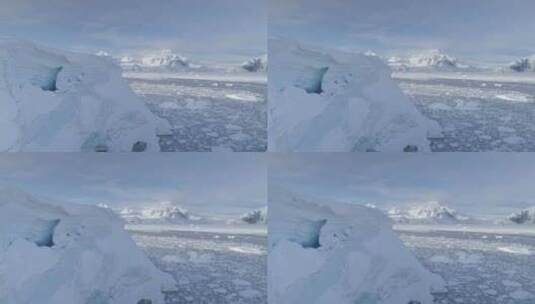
{"x":475,"y":29}
{"x":479,"y":184}
{"x":218,"y":183}
{"x":199,"y":29}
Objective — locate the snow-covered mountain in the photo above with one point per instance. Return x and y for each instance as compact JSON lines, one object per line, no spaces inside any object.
{"x":333,"y":101}
{"x":59,"y":101}
{"x":323,"y":253}
{"x":432,"y":60}
{"x":258,"y":216}
{"x":526,"y":64}
{"x":165,"y":212}
{"x":158,"y":61}
{"x":78,"y":254}
{"x":525,"y":216}
{"x":165,"y":59}
{"x":257,"y":64}
{"x":426,"y":213}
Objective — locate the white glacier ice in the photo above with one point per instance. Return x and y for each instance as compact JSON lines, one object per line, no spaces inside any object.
{"x":60,"y":101}
{"x":334,"y":101}
{"x":339,"y":253}
{"x":64,"y":253}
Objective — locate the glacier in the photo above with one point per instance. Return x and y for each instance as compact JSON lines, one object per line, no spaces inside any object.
{"x":335,"y":101}
{"x":61,"y":101}
{"x":339,"y":253}
{"x":63,"y":253}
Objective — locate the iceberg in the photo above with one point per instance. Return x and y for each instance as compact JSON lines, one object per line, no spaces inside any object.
{"x":340,"y":253}
{"x":64,"y":253}
{"x":336,"y":101}
{"x":67,"y":102}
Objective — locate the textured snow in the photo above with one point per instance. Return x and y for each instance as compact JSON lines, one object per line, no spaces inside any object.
{"x":58,"y":101}
{"x":333,"y":101}
{"x":335,"y":253}
{"x":55,"y":253}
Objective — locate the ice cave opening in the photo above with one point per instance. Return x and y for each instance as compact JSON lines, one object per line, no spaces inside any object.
{"x":310,"y":237}
{"x":313,"y":81}
{"x":48,"y":81}
{"x":43,"y":233}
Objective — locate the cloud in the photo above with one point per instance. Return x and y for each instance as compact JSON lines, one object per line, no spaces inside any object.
{"x":203,"y":181}
{"x":204,"y":28}
{"x":477,"y":183}
{"x":473,"y":28}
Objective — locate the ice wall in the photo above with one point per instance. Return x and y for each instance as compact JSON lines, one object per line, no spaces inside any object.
{"x":339,"y":253}
{"x":59,"y":101}
{"x":334,"y":101}
{"x":52,"y":253}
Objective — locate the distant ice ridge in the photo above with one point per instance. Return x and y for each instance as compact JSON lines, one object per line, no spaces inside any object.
{"x":64,"y":253}
{"x":256,"y":64}
{"x":426,"y":213}
{"x":59,"y":101}
{"x":340,"y":253}
{"x":526,"y":64}
{"x":333,"y":101}
{"x":165,"y":212}
{"x":525,"y":216}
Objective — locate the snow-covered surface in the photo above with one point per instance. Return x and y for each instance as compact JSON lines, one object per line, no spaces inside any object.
{"x":55,"y":253}
{"x":336,"y":253}
{"x":430,"y":213}
{"x":333,"y":101}
{"x":59,"y":101}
